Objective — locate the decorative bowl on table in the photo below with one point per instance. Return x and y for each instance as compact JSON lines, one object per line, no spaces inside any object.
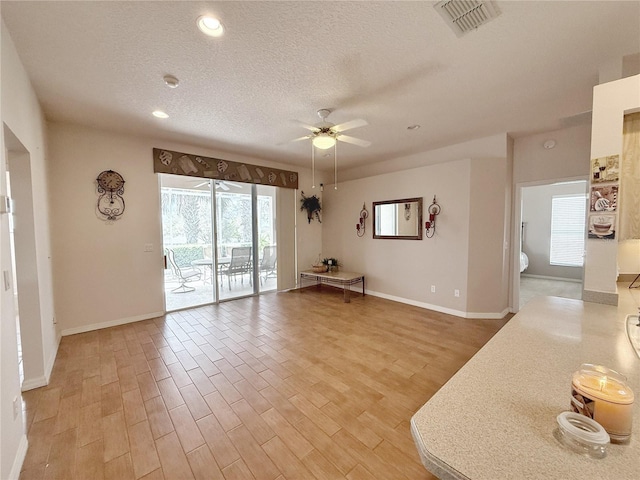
{"x":319,"y":268}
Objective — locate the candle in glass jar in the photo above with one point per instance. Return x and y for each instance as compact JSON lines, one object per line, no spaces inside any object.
{"x":603,"y":395}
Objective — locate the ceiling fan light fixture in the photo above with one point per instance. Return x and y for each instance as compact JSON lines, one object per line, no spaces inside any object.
{"x":210,"y":26}
{"x":323,"y":141}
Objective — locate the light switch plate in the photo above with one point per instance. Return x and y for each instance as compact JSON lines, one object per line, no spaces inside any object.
{"x":7,"y":279}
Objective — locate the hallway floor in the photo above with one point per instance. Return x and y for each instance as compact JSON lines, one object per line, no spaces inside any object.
{"x":531,"y":287}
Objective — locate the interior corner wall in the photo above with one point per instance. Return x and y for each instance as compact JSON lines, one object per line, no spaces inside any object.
{"x":404,"y":270}
{"x":487,"y":286}
{"x":610,"y":103}
{"x":22,"y":116}
{"x":309,"y":233}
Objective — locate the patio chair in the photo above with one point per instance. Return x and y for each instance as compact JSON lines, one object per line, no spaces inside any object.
{"x":239,"y":264}
{"x":184,"y":274}
{"x":268,"y":262}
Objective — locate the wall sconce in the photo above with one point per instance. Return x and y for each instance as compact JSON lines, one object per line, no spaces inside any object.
{"x":360,"y":226}
{"x":430,"y":225}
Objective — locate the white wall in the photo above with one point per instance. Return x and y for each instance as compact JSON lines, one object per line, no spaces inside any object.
{"x":610,"y":103}
{"x":629,"y":257}
{"x":24,"y":129}
{"x":536,"y":214}
{"x":489,"y":221}
{"x":567,"y":160}
{"x":103,"y":276}
{"x":456,"y":258}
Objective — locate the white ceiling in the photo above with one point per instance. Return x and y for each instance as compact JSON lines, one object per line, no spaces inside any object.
{"x":391,"y":63}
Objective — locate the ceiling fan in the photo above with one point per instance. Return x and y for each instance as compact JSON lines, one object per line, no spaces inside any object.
{"x":325,"y":134}
{"x":221,"y":184}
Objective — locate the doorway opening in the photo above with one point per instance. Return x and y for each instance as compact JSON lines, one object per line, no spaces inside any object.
{"x":22,"y":275}
{"x":551,"y":231}
{"x":14,"y":280}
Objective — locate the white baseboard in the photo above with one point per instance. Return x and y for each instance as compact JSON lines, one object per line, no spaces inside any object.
{"x":31,"y":383}
{"x":52,"y":359}
{"x":43,"y":380}
{"x":438,"y":308}
{"x":111,"y":323}
{"x":14,"y":474}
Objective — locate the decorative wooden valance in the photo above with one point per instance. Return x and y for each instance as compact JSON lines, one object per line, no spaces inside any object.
{"x":178,"y":163}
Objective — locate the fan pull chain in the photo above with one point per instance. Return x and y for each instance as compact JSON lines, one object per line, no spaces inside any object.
{"x":335,"y":165}
{"x":313,"y":166}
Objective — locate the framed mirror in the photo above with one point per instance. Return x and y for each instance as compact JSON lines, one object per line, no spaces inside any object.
{"x":399,"y":219}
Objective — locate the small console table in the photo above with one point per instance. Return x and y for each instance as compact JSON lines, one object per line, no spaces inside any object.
{"x":345,"y":279}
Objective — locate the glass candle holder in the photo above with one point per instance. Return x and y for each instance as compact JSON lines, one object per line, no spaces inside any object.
{"x":581,"y":434}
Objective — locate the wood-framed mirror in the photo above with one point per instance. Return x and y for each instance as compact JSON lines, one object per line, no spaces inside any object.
{"x":398,"y":219}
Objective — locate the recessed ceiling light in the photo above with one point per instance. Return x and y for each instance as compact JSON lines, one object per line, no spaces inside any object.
{"x":210,"y":26}
{"x":160,"y":114}
{"x":413,"y":127}
{"x":171,"y":81}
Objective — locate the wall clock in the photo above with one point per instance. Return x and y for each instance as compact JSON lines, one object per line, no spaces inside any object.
{"x":110,"y":190}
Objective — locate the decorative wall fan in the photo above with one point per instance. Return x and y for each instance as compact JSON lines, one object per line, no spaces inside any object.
{"x":325,"y":135}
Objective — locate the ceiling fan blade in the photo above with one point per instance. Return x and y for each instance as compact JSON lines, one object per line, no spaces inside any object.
{"x":306,"y":137}
{"x":353,"y":140}
{"x":341,"y":127}
{"x":307,"y":126}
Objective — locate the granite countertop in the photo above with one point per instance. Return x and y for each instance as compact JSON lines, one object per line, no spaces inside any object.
{"x":495,"y":417}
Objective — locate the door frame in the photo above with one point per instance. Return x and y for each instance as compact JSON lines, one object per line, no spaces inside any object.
{"x":517,"y":232}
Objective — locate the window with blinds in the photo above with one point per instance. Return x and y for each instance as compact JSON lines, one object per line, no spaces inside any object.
{"x":568,"y":214}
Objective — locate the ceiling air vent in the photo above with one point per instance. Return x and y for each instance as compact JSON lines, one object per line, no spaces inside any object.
{"x":464,"y":16}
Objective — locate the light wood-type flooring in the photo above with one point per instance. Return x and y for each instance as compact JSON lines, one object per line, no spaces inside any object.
{"x":295,"y":385}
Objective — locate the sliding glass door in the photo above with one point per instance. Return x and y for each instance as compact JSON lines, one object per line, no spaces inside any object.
{"x":246,"y":239}
{"x":234,"y":237}
{"x":187,"y":230}
{"x":267,"y":245}
{"x":219,"y":240}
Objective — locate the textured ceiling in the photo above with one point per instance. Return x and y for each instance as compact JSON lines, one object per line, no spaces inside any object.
{"x":391,"y":63}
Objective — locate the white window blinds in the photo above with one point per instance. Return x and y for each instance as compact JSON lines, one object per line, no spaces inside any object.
{"x":568,"y":214}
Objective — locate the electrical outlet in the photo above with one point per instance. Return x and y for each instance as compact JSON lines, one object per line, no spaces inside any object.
{"x":456,"y":293}
{"x":433,"y":289}
{"x":16,"y":407}
{"x":148,"y":247}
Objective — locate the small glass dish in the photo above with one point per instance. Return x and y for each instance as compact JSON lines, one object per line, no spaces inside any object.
{"x":581,"y":434}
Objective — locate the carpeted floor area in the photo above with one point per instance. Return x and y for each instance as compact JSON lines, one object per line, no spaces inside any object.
{"x":531,"y":287}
